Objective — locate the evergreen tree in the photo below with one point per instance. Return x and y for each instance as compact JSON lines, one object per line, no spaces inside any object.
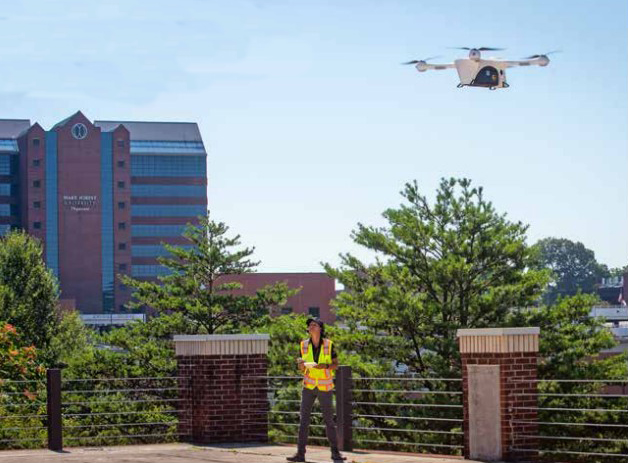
{"x":200,"y":284}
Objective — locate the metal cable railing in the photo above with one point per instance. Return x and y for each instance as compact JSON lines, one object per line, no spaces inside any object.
{"x":393,"y":413}
{"x":583,"y":420}
{"x":105,"y":411}
{"x":22,"y":414}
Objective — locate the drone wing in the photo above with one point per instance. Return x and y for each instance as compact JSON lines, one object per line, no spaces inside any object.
{"x":437,"y":67}
{"x":523,"y":62}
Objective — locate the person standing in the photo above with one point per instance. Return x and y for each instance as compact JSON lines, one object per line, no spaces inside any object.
{"x":317,"y":382}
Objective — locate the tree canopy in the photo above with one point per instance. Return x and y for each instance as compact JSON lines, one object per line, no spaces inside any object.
{"x":456,"y":263}
{"x":201,"y":286}
{"x":29,"y":292}
{"x":573,"y":266}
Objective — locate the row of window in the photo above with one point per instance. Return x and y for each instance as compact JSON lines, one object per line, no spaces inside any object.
{"x":169,"y":190}
{"x":154,"y":146}
{"x":152,"y":250}
{"x":178,"y":210}
{"x":157,"y":230}
{"x":149,"y":270}
{"x":168,"y":166}
{"x":5,"y":165}
{"x":8,"y":145}
{"x":5,"y":189}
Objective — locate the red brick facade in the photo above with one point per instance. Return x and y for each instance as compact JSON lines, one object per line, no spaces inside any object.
{"x":222,"y":400}
{"x":316,"y":290}
{"x":518,"y":384}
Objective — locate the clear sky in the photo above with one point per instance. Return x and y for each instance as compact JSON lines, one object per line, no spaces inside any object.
{"x":312,"y":125}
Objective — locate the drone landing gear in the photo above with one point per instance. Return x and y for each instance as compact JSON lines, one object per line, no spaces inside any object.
{"x":492,"y":88}
{"x":460,"y":85}
{"x":505,"y":85}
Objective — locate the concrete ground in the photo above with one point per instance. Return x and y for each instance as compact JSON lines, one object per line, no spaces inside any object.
{"x":182,"y":453}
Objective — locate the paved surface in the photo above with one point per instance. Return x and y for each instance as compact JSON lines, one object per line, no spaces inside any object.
{"x":182,"y":453}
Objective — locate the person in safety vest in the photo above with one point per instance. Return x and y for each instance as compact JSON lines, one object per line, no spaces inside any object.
{"x":318,"y":360}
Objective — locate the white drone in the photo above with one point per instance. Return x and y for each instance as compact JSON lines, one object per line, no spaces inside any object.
{"x":477,"y":72}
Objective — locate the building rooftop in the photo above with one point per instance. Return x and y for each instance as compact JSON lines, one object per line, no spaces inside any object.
{"x":156,"y":131}
{"x":12,"y":128}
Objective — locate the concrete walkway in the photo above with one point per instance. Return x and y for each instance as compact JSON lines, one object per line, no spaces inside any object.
{"x":182,"y":453}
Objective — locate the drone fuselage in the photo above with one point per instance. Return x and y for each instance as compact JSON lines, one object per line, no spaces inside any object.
{"x":481,"y":73}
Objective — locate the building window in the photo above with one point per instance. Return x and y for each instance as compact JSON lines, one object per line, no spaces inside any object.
{"x":286,"y":310}
{"x":179,"y":210}
{"x":120,"y":143}
{"x":37,"y":225}
{"x":36,"y":162}
{"x":314,"y":311}
{"x":122,"y":267}
{"x":36,"y":183}
{"x":121,"y":246}
{"x":121,"y":225}
{"x":121,"y":205}
{"x":36,"y":204}
{"x":121,"y":185}
{"x":121,"y":164}
{"x":35,"y":141}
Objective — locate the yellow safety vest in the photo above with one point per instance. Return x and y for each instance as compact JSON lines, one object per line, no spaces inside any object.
{"x":314,"y":377}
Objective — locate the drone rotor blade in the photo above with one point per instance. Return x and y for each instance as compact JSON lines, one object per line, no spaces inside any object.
{"x":533,"y":57}
{"x":432,"y":57}
{"x":490,"y":49}
{"x":411,"y":62}
{"x":459,"y":48}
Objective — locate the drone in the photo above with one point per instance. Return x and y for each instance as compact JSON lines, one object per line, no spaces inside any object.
{"x":478,"y":72}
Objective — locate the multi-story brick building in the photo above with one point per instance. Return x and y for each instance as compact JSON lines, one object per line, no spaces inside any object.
{"x":101,"y":197}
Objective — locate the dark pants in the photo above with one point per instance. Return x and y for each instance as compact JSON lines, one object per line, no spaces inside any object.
{"x":307,"y":401}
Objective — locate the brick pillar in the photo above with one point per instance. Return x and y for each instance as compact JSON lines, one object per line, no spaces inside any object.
{"x":499,"y":371}
{"x":223,"y":389}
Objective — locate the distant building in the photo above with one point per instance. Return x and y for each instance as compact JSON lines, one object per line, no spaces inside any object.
{"x":613,"y":290}
{"x":317,"y":290}
{"x":101,"y":197}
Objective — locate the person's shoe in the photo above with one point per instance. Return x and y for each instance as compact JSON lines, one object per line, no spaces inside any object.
{"x":296,"y":457}
{"x":337,"y":456}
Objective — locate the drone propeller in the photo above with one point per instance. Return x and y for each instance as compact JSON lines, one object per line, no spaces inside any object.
{"x":478,"y":49}
{"x":544,"y":54}
{"x":421,"y":60}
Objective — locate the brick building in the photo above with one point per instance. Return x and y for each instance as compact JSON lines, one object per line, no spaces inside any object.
{"x":101,"y":196}
{"x":316,"y":291}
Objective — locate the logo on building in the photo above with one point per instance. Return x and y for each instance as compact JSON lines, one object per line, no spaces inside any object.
{"x":79,"y":203}
{"x":79,"y":131}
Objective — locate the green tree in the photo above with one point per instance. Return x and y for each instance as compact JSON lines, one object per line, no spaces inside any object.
{"x":200,"y":284}
{"x":28,"y":291}
{"x":573,"y":266}
{"x":439,"y":267}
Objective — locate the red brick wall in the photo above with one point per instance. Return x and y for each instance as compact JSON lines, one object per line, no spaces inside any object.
{"x":29,"y":173}
{"x":317,"y":289}
{"x":80,"y":255}
{"x":518,"y":375}
{"x":221,"y":401}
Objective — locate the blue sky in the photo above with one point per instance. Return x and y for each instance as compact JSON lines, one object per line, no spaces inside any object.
{"x":313,"y":126}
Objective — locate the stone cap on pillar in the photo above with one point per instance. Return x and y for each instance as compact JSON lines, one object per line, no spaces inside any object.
{"x":221,"y":344}
{"x":498,"y":340}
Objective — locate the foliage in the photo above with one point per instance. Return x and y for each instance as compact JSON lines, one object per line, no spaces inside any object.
{"x":573,"y":266}
{"x":454,"y":264}
{"x":28,"y":291}
{"x":199,"y":285}
{"x":21,"y":388}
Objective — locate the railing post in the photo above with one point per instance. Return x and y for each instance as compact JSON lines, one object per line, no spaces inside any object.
{"x":499,"y":381}
{"x":344,"y":412}
{"x":55,"y":426}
